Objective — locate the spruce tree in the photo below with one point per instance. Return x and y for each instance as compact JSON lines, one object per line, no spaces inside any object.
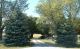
{"x":17,"y":30}
{"x":66,"y":35}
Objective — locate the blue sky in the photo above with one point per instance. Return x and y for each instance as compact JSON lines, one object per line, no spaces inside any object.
{"x":32,"y":8}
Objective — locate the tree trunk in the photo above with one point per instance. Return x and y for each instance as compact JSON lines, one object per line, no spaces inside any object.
{"x":1,"y":15}
{"x":31,"y":36}
{"x":0,"y":28}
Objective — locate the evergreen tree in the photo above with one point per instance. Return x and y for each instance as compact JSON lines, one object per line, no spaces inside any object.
{"x":66,"y":35}
{"x":17,"y":30}
{"x":32,"y":24}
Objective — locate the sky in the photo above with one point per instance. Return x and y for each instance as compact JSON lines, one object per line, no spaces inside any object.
{"x":32,"y":8}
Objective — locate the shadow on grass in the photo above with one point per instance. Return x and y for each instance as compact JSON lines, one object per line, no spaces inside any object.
{"x":64,"y":46}
{"x":19,"y":45}
{"x":54,"y":44}
{"x":29,"y":44}
{"x":78,"y":45}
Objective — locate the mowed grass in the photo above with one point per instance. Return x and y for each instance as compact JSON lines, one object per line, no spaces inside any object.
{"x":12,"y":47}
{"x":4,"y":47}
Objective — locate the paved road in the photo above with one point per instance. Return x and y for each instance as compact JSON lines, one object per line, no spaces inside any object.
{"x":38,"y":43}
{"x":41,"y":45}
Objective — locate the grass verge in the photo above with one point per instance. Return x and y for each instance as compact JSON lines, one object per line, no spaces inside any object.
{"x":51,"y":42}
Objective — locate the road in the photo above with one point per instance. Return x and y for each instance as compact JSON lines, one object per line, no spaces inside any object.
{"x":38,"y":43}
{"x":41,"y":45}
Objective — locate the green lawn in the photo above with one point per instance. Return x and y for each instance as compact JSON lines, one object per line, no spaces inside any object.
{"x":4,"y":47}
{"x":11,"y":47}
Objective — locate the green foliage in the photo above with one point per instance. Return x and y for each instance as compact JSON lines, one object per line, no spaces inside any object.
{"x":76,"y":24}
{"x":42,"y":26}
{"x":17,"y":30}
{"x":32,"y":25}
{"x":66,"y":35}
{"x":60,"y":17}
{"x":52,"y":11}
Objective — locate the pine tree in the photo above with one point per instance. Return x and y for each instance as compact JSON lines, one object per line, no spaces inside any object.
{"x":17,"y":30}
{"x":66,"y":35}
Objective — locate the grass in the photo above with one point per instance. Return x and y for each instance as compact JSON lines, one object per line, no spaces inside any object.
{"x":2,"y":46}
{"x":12,"y":47}
{"x":51,"y":42}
